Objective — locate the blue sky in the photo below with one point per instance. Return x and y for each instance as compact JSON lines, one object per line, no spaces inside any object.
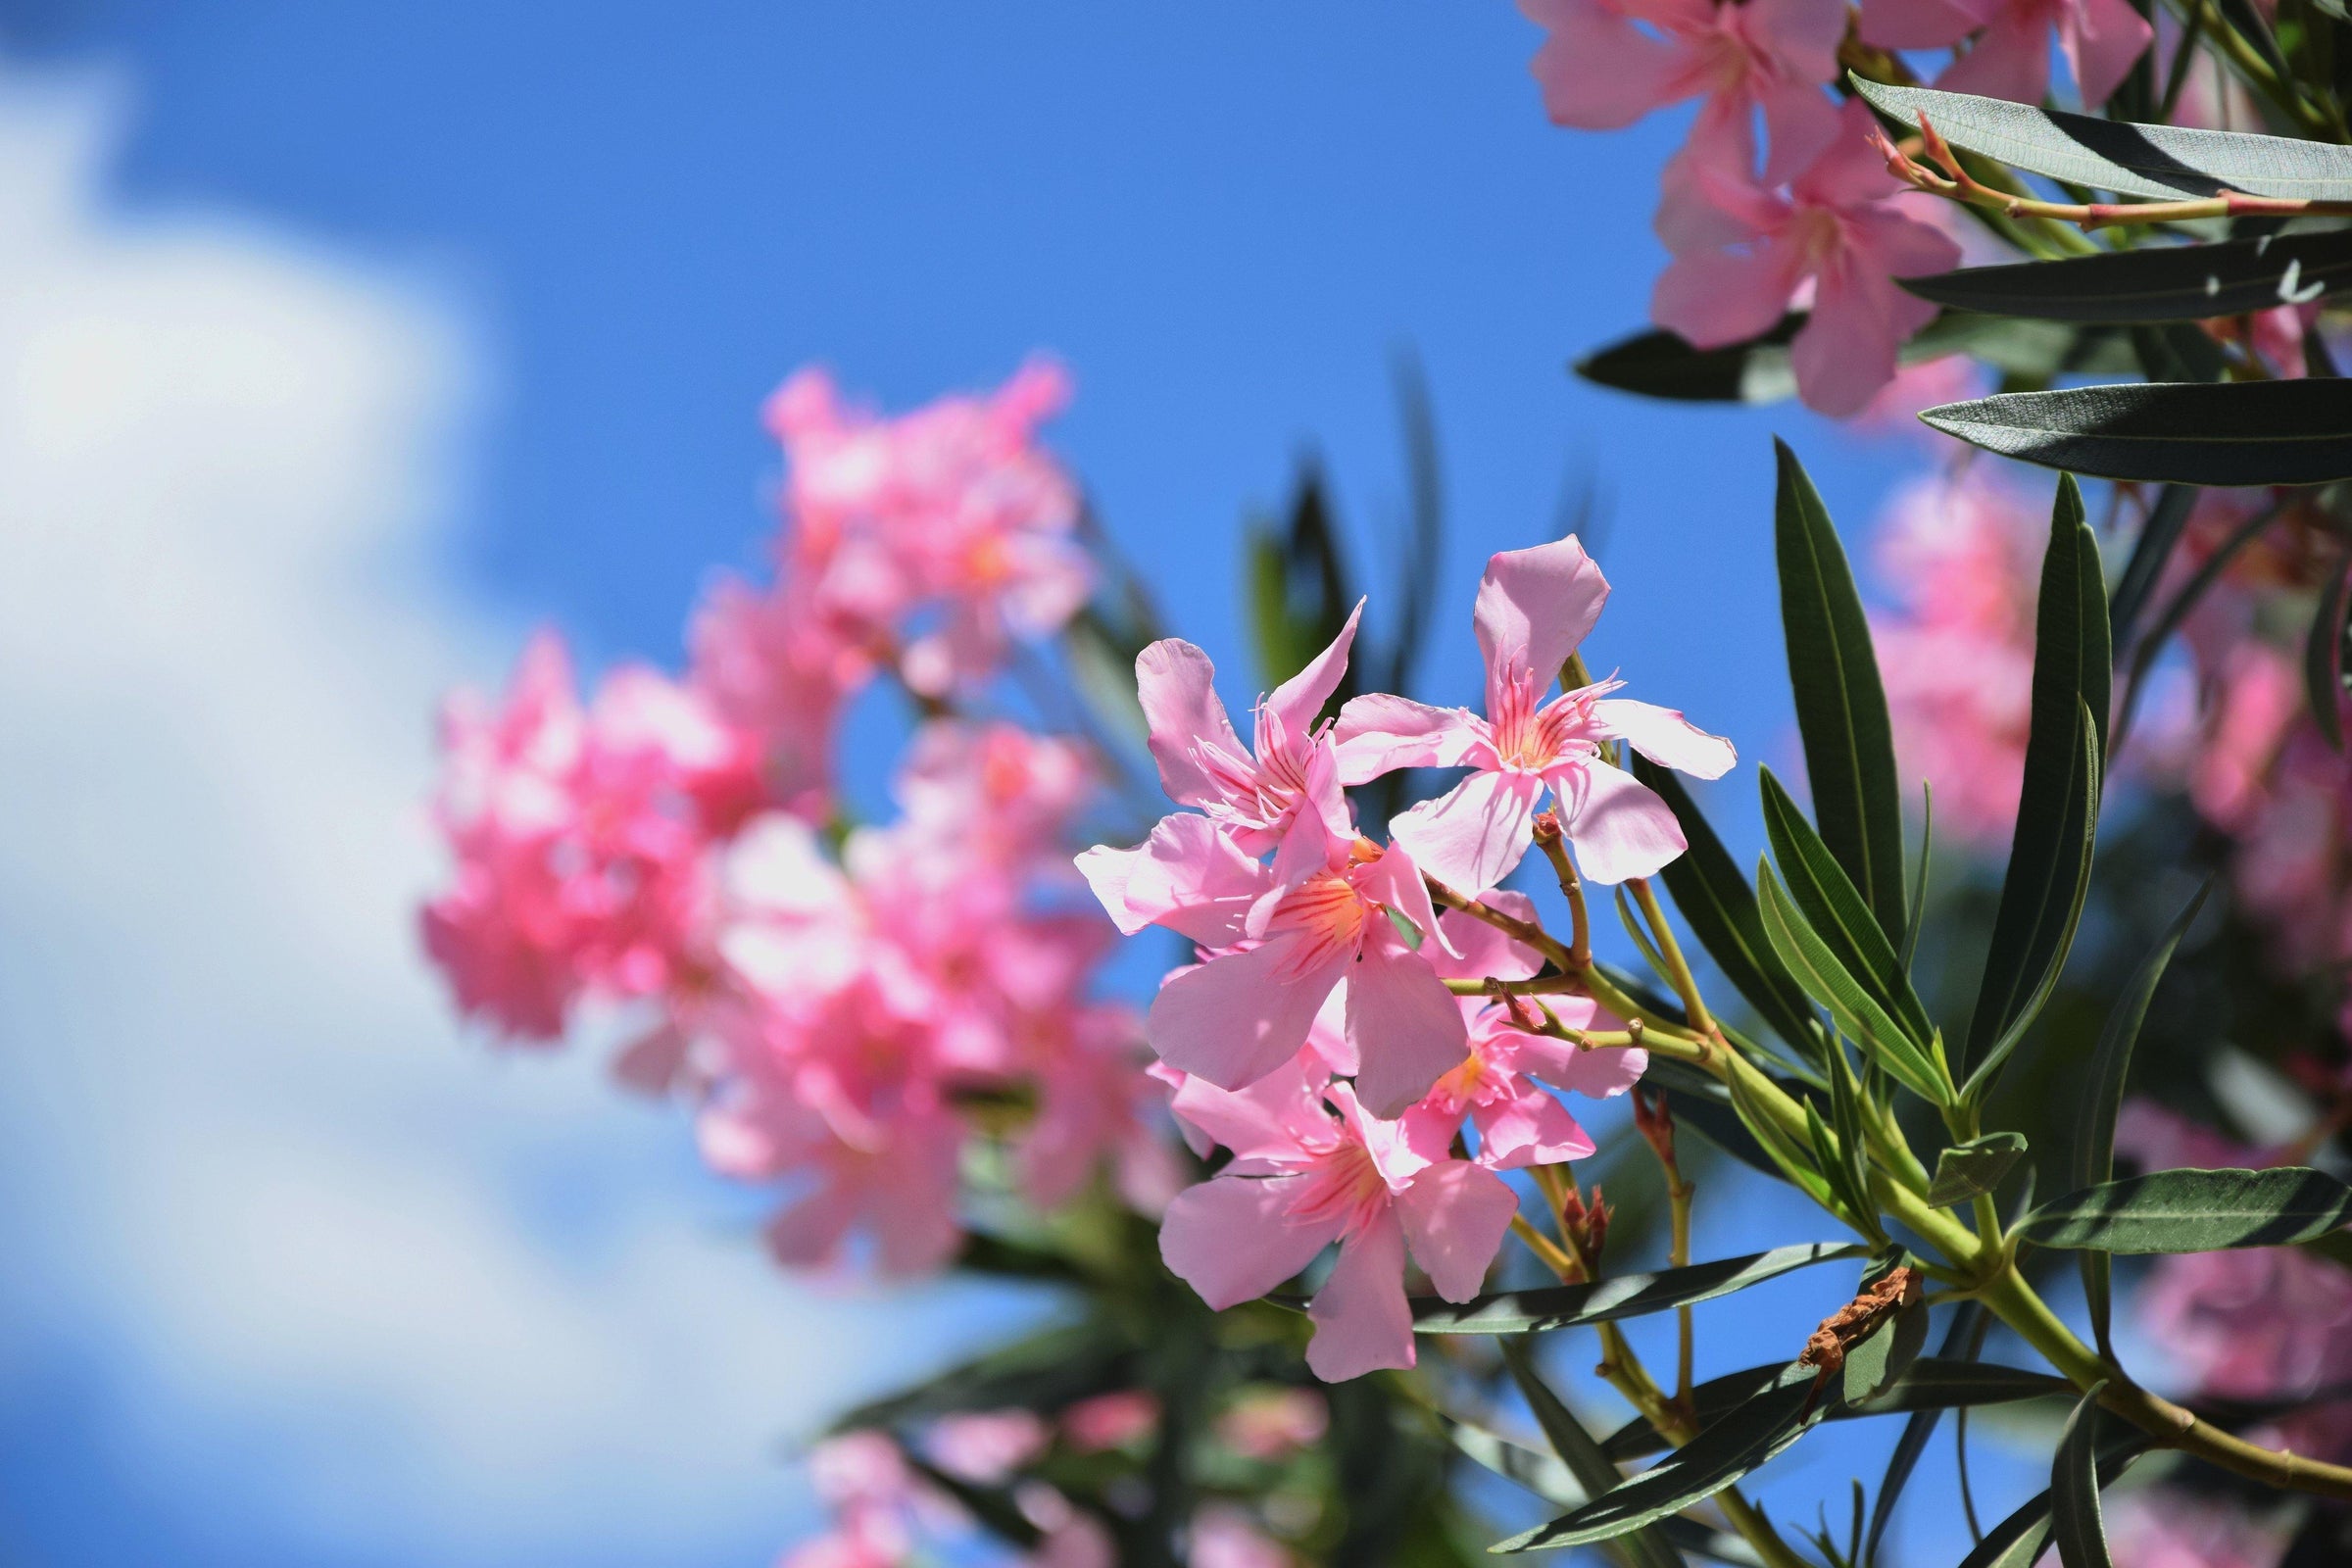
{"x":553,"y":261}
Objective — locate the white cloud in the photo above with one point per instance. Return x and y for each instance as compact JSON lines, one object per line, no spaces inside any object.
{"x":253,"y":1171}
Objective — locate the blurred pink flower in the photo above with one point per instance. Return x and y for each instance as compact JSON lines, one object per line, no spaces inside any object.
{"x":1534,"y":608}
{"x":1226,"y":1536}
{"x":1303,"y":1177}
{"x":1741,"y":251}
{"x":986,"y":1447}
{"x":1272,"y":1424}
{"x":2011,"y":54}
{"x":1608,"y":63}
{"x":1110,"y":1420}
{"x":2164,"y":1527}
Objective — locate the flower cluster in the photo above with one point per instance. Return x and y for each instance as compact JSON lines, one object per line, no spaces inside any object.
{"x":1364,"y":1098}
{"x":1818,"y":227}
{"x":833,"y":1002}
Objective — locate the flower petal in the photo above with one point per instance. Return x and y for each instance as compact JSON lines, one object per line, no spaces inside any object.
{"x":1528,"y":1128}
{"x":1279,"y":1117}
{"x":1470,"y":837}
{"x":1618,"y":827}
{"x":1232,"y":1239}
{"x":1379,"y":733}
{"x":1665,"y":737}
{"x":1479,"y":950}
{"x":1297,"y":701}
{"x":1598,"y":72}
{"x":1362,"y":1323}
{"x":1535,"y":606}
{"x":1406,"y":1025}
{"x":1237,"y":1018}
{"x":1176,"y":684}
{"x":1456,"y":1215}
{"x":1187,"y":876}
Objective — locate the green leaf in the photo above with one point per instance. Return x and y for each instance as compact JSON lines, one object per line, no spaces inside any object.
{"x":2058,"y":807}
{"x":2230,"y":433}
{"x":2019,"y":1540}
{"x":2208,"y":571}
{"x":1593,"y":1471}
{"x":1961,"y":1342}
{"x":1795,"y":1162}
{"x":2163,"y":161}
{"x":1850,"y":1004}
{"x":1660,"y":365}
{"x":1835,"y":910}
{"x":1931,"y":1383}
{"x":1625,"y":1296}
{"x":2154,"y":283}
{"x":1539,"y":1473}
{"x":1916,"y":914}
{"x":1875,"y":1365}
{"x":2166,"y":520}
{"x":2103,"y":1099}
{"x":1297,"y":582}
{"x":1720,"y":908}
{"x":1703,"y":1103}
{"x":2324,"y":656}
{"x":1965,"y":1172}
{"x":2177,"y":351}
{"x":1746,"y":1438}
{"x":2195,"y":1212}
{"x":1840,"y":705}
{"x":2075,"y":1521}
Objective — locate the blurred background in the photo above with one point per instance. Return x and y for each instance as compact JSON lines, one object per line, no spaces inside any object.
{"x":342,"y":344}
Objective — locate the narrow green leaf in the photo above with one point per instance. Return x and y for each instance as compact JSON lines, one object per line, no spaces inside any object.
{"x":1916,"y":915}
{"x":1582,"y":1455}
{"x":2103,"y":1099}
{"x":1840,"y":705}
{"x":2324,"y":656}
{"x":1794,"y":1162}
{"x":1831,"y":1160}
{"x":1746,"y":1438}
{"x":1835,"y":907}
{"x":2208,"y":571}
{"x":1931,"y":1383}
{"x":2161,"y":161}
{"x":1849,"y":1003}
{"x":2033,"y":926}
{"x":2195,"y":1212}
{"x":2228,"y":433}
{"x":2019,"y":1540}
{"x":2168,"y":519}
{"x":1539,"y":1473}
{"x":1703,"y":1102}
{"x":1625,"y":1296}
{"x":1889,"y":1351}
{"x":1720,"y":907}
{"x":1660,"y":365}
{"x":1965,"y":1172}
{"x":2075,"y":1521}
{"x":2155,"y":282}
{"x":1961,"y":1342}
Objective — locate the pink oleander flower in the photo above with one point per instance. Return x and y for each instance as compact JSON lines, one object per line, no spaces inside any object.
{"x":778,"y":668}
{"x":986,"y":1447}
{"x":1608,"y":63}
{"x":878,"y":1506}
{"x":1272,"y":1424}
{"x":2011,"y":56}
{"x":1255,"y":794}
{"x":2164,"y":1527}
{"x":1226,"y":1536}
{"x":1110,"y":1420}
{"x":1094,"y":1108}
{"x":1005,"y":792}
{"x":2258,"y":698}
{"x":1496,"y":1087}
{"x":952,"y":507}
{"x":1742,"y":251}
{"x":1534,"y":608}
{"x":1310,"y":1169}
{"x":1280,"y":954}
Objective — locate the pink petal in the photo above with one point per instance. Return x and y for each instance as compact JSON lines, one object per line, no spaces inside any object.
{"x":1299,"y":700}
{"x":1848,"y":350}
{"x":1597,"y":1074}
{"x":1798,"y":124}
{"x":2010,"y":59}
{"x":1665,"y":737}
{"x":1598,"y":71}
{"x":1237,"y":1018}
{"x":1483,"y":951}
{"x":1177,"y":686}
{"x":2101,"y":39}
{"x":1406,"y":1028}
{"x":1279,"y":1117}
{"x":1530,"y":1128}
{"x":1470,"y":837}
{"x":1535,"y":606}
{"x":1395,"y":1154}
{"x":1617,"y":827}
{"x":1456,"y":1215}
{"x":1917,"y":23}
{"x":1708,"y":197}
{"x":1379,"y":733}
{"x":1713,"y":298}
{"x":1232,"y":1239}
{"x":1362,"y":1323}
{"x":1395,"y":880}
{"x":1187,"y":876}
{"x":1803,"y":35}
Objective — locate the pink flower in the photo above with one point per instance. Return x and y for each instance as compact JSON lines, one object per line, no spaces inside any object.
{"x":1600,"y":68}
{"x":1254,"y":794}
{"x":778,"y":666}
{"x":1271,"y":1424}
{"x":1534,"y":608}
{"x":2164,"y":1527}
{"x":1246,"y":1010}
{"x":1741,"y":252}
{"x":2011,"y":56}
{"x":1302,"y":1177}
{"x":1225,"y":1537}
{"x":1110,"y":1420}
{"x":986,"y":1447}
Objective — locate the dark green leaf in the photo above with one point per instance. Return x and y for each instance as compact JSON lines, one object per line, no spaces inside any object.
{"x":1626,"y":1295}
{"x":1916,"y":914}
{"x":1718,"y":1457}
{"x":2167,"y":518}
{"x":2233,"y":433}
{"x":2103,"y":1098}
{"x":2058,"y":806}
{"x":2207,"y":572}
{"x":1965,"y":1172}
{"x":1841,"y":707}
{"x":2162,"y":162}
{"x":1660,"y":365}
{"x":2075,"y":1521}
{"x":1835,"y":910}
{"x":2017,"y":1541}
{"x":1703,"y":1102}
{"x":2324,"y":656}
{"x":2154,"y":283}
{"x":1794,"y":1162}
{"x":2177,"y":351}
{"x":1884,"y":1355}
{"x":1720,"y":907}
{"x":1961,"y":1342}
{"x":1299,"y":592}
{"x":2195,"y":1212}
{"x":1539,"y":1473}
{"x":1933,"y":1383}
{"x":1828,"y":982}
{"x":2248,"y":23}
{"x":1592,"y":1470}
